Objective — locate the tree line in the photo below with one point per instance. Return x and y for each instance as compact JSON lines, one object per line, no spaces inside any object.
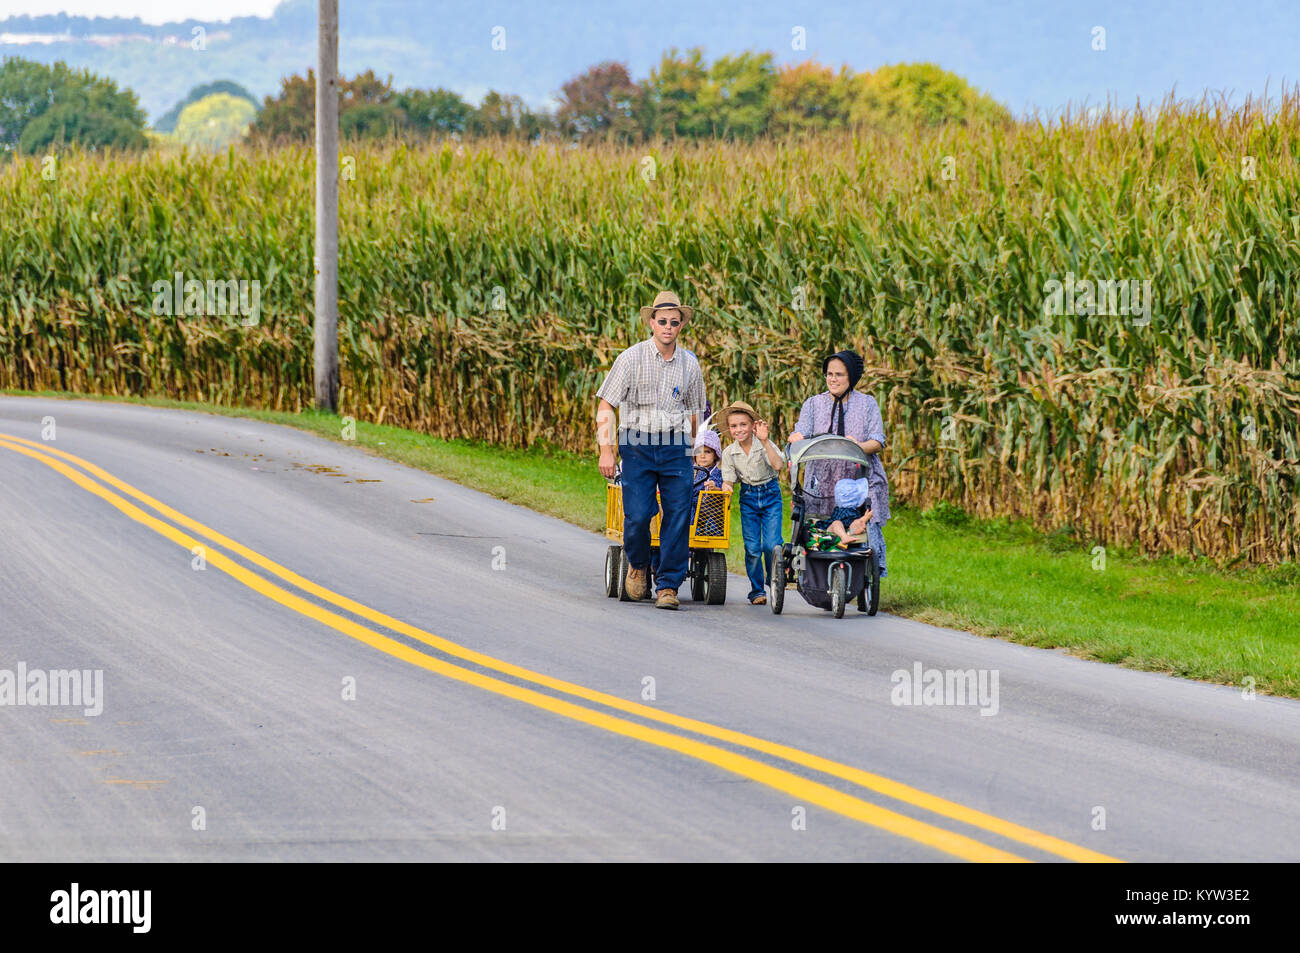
{"x":742,"y":97}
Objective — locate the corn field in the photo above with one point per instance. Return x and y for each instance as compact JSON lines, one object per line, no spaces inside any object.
{"x":485,"y":287}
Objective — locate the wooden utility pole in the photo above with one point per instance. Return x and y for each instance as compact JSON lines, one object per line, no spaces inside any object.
{"x":326,"y":330}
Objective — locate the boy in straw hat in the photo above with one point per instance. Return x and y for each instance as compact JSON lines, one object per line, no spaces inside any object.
{"x":658,"y":390}
{"x":754,"y":462}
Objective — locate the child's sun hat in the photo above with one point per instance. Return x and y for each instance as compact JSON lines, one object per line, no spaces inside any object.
{"x":709,"y":439}
{"x":851,"y":492}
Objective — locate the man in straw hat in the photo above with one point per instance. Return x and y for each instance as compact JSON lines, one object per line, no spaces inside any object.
{"x":658,"y":390}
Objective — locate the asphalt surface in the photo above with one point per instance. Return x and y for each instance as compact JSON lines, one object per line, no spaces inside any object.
{"x":225,"y":694}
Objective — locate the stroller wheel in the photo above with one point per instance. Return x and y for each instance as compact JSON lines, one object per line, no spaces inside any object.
{"x":839,"y":589}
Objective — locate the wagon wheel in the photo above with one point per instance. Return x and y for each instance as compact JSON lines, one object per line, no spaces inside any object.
{"x":716,"y":593}
{"x":622,"y":576}
{"x":839,"y":589}
{"x":612,"y":557}
{"x":698,"y":572}
{"x":778,"y":579}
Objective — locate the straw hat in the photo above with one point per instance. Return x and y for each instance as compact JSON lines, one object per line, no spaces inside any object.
{"x":736,"y":407}
{"x":665,"y":300}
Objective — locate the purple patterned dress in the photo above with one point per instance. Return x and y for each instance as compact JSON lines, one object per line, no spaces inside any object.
{"x":862,"y":421}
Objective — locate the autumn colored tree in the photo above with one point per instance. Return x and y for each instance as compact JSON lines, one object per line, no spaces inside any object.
{"x":167,"y":121}
{"x":365,"y":89}
{"x":809,"y":97}
{"x":215,"y":121}
{"x":601,"y":103}
{"x":290,"y":116}
{"x":903,"y":96}
{"x":368,"y":108}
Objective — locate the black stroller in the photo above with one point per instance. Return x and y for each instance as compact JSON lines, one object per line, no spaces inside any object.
{"x":826,"y":579}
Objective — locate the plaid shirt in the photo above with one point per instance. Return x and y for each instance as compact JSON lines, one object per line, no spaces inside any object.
{"x":653,"y":395}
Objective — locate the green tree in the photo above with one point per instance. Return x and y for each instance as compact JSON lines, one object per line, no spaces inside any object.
{"x":370,"y":121}
{"x":215,"y":121}
{"x":736,"y":101}
{"x":44,"y":106}
{"x":434,"y":111}
{"x":906,"y":95}
{"x":674,"y":89}
{"x":502,"y":115}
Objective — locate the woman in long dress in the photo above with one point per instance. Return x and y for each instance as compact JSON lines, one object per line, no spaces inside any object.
{"x":842,"y":410}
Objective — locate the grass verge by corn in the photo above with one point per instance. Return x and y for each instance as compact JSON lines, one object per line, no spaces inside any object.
{"x":485,"y":286}
{"x":997,"y":578}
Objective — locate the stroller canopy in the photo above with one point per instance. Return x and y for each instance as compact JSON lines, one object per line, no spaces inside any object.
{"x":815,"y":466}
{"x":826,"y":447}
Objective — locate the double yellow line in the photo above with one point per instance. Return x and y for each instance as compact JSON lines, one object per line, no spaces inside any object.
{"x":802,"y":789}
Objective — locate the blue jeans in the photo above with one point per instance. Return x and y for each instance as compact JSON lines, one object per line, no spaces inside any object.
{"x":760,"y":521}
{"x":668,"y":468}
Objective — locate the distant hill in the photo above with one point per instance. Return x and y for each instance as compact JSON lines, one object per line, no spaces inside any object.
{"x":1022,"y":52}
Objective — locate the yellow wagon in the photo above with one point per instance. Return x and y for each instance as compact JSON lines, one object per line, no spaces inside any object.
{"x":710,"y":535}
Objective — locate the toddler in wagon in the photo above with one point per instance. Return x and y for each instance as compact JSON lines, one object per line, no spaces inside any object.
{"x":708,"y":451}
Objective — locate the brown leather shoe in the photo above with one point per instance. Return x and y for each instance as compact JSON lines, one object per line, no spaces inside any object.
{"x":758,"y":601}
{"x":667,"y":599}
{"x":637,"y":584}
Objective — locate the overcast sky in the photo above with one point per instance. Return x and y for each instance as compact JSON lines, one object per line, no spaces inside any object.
{"x":150,"y":11}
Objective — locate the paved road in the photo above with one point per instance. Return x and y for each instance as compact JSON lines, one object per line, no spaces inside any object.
{"x":529,"y":733}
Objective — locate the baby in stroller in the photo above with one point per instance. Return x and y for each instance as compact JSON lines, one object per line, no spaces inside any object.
{"x":849,"y":519}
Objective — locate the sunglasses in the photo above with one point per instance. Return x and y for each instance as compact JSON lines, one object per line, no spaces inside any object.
{"x":664,"y":321}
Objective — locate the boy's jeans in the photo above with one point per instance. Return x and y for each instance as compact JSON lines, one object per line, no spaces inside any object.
{"x":760,"y":521}
{"x":667,"y":467}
